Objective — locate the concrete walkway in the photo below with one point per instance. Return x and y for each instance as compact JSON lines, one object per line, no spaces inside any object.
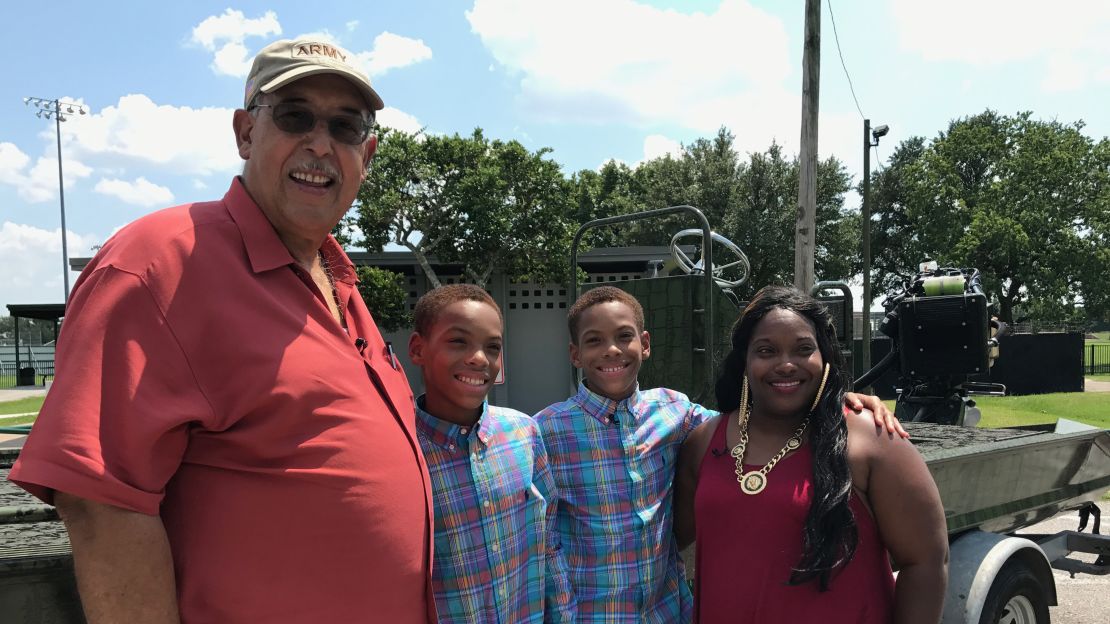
{"x":1090,"y":385}
{"x":22,"y":392}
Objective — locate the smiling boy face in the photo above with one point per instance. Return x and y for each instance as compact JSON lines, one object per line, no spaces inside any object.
{"x":609,"y":349}
{"x":460,"y":357}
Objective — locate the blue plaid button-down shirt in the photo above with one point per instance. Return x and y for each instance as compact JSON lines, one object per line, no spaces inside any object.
{"x":614,"y":465}
{"x":497,"y":558}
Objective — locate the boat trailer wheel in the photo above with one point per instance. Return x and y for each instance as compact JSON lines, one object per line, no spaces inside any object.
{"x":1015,"y":597}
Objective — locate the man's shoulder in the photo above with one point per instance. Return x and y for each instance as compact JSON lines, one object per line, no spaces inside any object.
{"x":164,"y":232}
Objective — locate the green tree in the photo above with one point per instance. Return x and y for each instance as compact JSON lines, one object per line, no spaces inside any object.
{"x":469,"y":201}
{"x":384,"y":293}
{"x":1018,"y":198}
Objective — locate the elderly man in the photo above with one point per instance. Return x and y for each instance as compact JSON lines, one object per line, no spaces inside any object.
{"x":230,"y":440}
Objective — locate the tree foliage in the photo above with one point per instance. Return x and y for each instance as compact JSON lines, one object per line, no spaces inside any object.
{"x":385,"y":294}
{"x":468,"y":201}
{"x":1021,"y":199}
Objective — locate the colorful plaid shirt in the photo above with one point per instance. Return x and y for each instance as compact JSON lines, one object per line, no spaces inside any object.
{"x":614,"y":465}
{"x":497,"y":557}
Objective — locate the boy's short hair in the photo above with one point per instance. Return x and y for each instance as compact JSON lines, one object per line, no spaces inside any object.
{"x":434,"y":301}
{"x":602,"y":294}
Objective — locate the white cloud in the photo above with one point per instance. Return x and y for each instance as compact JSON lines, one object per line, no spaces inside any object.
{"x":629,"y":62}
{"x":232,"y":60}
{"x":398,"y":120}
{"x":199,"y":184}
{"x":141,"y":192}
{"x":224,"y":35}
{"x":12,"y":162}
{"x":33,"y":257}
{"x":39,"y":182}
{"x":391,"y":52}
{"x":657,"y":146}
{"x":180,"y":140}
{"x":988,"y":33}
{"x":351,"y":25}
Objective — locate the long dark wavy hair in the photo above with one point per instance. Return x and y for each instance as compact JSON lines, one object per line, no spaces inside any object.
{"x":830,"y":536}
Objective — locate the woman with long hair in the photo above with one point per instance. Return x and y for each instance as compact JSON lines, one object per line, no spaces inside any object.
{"x":796,"y":504}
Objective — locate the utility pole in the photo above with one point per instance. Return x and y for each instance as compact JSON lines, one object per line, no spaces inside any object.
{"x":804,"y":231}
{"x":869,"y":135}
{"x":865,"y":352}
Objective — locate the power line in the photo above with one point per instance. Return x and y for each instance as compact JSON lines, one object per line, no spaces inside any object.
{"x":836,"y":38}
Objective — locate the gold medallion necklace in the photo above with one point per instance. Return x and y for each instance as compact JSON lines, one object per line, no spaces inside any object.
{"x":754,"y":481}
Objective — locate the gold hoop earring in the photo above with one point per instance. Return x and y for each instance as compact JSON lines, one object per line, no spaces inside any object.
{"x":820,"y":389}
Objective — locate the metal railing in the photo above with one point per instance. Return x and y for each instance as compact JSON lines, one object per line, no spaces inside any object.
{"x":1096,"y":359}
{"x":10,"y":376}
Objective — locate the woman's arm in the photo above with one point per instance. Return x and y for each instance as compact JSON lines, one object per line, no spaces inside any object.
{"x":686,"y":480}
{"x":910,"y":517}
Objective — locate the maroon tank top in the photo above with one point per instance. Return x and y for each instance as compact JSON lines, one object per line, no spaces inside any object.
{"x":747,"y":546}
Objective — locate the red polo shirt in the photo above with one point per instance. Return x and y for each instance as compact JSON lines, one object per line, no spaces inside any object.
{"x":202,"y":378}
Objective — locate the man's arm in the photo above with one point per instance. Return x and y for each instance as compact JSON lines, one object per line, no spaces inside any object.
{"x":122,"y":560}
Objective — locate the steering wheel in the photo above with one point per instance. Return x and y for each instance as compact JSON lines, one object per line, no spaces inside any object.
{"x":719,"y":270}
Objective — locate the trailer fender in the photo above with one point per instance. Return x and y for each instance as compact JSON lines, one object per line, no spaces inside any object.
{"x":974,"y":561}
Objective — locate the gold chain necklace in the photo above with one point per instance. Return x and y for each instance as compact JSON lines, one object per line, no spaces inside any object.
{"x":754,"y":481}
{"x":334,"y":290}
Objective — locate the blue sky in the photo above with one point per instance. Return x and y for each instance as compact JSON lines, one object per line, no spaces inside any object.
{"x":591,"y":79}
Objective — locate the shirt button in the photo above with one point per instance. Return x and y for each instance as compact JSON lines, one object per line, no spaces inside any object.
{"x":464,"y":430}
{"x":485,"y":503}
{"x":496,"y":547}
{"x":450,"y":447}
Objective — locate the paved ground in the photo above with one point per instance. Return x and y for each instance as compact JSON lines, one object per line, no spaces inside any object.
{"x":22,"y":392}
{"x":1090,"y":385}
{"x":1084,"y":599}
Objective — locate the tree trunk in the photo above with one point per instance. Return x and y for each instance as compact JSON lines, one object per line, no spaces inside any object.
{"x":425,"y":266}
{"x":1006,"y":302}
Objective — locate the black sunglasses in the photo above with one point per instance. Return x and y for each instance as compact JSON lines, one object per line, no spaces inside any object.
{"x":295,"y":118}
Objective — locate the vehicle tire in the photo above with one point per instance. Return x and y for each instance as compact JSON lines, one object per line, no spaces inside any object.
{"x":1016,"y":597}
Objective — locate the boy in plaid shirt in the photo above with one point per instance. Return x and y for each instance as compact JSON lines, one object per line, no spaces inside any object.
{"x":497,"y":558}
{"x":613,"y":449}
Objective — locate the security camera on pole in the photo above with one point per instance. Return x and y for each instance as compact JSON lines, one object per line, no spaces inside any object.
{"x":868,"y":136}
{"x":59,"y":111}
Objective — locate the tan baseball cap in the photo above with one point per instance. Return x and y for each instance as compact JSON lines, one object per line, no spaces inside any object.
{"x":286,"y":61}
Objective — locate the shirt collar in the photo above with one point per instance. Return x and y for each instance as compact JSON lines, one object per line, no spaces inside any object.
{"x":265,"y":249}
{"x":446,"y":434}
{"x":602,"y":408}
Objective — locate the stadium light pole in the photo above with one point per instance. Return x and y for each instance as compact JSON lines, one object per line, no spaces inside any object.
{"x":59,"y":111}
{"x":868,"y":136}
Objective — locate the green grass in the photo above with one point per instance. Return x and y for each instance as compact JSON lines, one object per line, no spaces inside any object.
{"x":20,"y":406}
{"x":22,"y":420}
{"x":1098,"y":377}
{"x":1091,"y":408}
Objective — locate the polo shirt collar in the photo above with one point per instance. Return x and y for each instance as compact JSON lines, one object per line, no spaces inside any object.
{"x":601,"y":408}
{"x":264,"y":248}
{"x":446,"y":434}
